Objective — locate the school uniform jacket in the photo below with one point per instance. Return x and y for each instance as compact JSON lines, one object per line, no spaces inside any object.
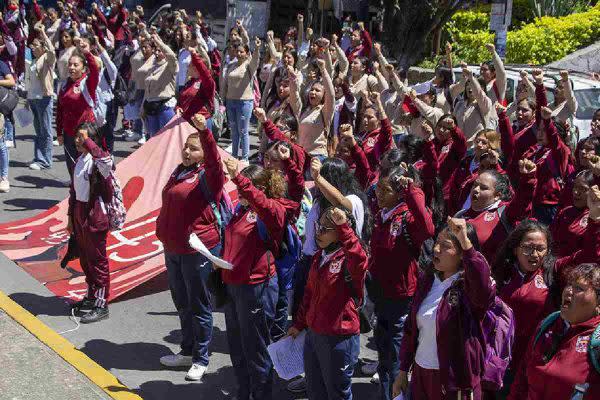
{"x":328,"y":306}
{"x":365,"y":175}
{"x":449,"y":155}
{"x":377,"y":142}
{"x":394,"y":262}
{"x":72,"y":108}
{"x":568,"y":229}
{"x":252,"y":258}
{"x":297,"y":152}
{"x":363,"y":49}
{"x":198,"y":94}
{"x":101,"y":191}
{"x":458,"y":321}
{"x":185,"y":209}
{"x":570,"y":365}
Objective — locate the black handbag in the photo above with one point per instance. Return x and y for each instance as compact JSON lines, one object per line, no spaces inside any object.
{"x":8,"y":100}
{"x":154,"y":107}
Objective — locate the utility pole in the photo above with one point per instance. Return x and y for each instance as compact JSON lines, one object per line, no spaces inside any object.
{"x":500,"y":19}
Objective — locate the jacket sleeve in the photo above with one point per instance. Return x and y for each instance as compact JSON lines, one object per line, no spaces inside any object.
{"x":363,"y":171}
{"x":101,"y":17}
{"x":408,"y":345}
{"x":459,"y":143}
{"x":520,"y":386}
{"x":560,"y":152}
{"x":420,"y":224}
{"x":483,"y":101}
{"x":479,"y":288}
{"x":367,"y":43}
{"x":384,"y":140}
{"x":295,"y":181}
{"x":356,"y":258}
{"x":215,"y":177}
{"x":270,"y":211}
{"x":521,"y":205}
{"x":93,"y":77}
{"x":272,"y":131}
{"x":541,"y":101}
{"x":300,"y":317}
{"x":102,"y":161}
{"x":500,"y":75}
{"x":507,"y":139}
{"x":590,"y":253}
{"x":430,"y":169}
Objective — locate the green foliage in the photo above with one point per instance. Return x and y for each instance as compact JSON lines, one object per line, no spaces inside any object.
{"x":557,"y":8}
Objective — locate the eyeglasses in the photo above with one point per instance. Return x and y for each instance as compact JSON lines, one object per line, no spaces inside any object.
{"x":321,"y":229}
{"x":529,"y":250}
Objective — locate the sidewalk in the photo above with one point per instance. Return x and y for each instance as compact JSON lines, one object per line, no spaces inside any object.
{"x":33,"y":370}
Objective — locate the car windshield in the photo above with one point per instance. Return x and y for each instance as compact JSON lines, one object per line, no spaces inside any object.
{"x":588,"y":101}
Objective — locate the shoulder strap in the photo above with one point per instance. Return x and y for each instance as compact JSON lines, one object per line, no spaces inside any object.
{"x":206,"y":192}
{"x":86,"y":94}
{"x":594,"y":349}
{"x":404,"y":228}
{"x":504,"y":219}
{"x":549,"y":320}
{"x":348,"y":279}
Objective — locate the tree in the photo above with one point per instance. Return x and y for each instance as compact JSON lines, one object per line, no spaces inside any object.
{"x":407,"y":25}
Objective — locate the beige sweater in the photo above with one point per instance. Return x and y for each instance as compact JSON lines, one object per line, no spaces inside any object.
{"x":473,"y":117}
{"x":160,"y":75}
{"x":45,"y":67}
{"x":137,"y":60}
{"x":62,"y":64}
{"x":238,"y":81}
{"x":367,"y":83}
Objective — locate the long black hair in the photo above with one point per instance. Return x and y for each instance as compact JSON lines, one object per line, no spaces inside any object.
{"x":506,"y":261}
{"x":428,"y":267}
{"x":338,"y":174}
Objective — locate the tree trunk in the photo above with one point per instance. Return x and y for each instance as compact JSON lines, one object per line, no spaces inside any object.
{"x":408,"y":24}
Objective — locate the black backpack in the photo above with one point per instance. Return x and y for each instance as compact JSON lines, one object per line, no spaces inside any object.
{"x":120,"y":92}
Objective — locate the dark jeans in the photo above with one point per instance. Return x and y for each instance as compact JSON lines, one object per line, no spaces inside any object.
{"x":545,"y":213}
{"x":329,"y":365}
{"x":249,"y":313}
{"x":108,"y":130}
{"x":280,"y":323}
{"x":391,"y":315}
{"x":188,"y":276}
{"x":71,"y":153}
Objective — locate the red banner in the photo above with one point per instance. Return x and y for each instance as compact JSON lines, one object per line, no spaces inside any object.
{"x":135,"y":255}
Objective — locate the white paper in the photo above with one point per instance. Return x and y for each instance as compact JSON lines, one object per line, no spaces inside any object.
{"x":400,"y":397}
{"x":24,"y":116}
{"x":197,"y":245}
{"x":287,"y":355}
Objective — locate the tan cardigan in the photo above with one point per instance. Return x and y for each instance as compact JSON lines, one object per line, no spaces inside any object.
{"x":137,"y":60}
{"x":45,"y":67}
{"x":159,"y":83}
{"x":62,"y":63}
{"x":237,"y":83}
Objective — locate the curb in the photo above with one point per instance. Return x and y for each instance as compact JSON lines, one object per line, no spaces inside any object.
{"x":67,"y":351}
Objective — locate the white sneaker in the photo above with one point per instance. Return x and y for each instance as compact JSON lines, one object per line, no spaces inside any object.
{"x":142,"y":140}
{"x":4,"y":185}
{"x":369,"y":368}
{"x":35,"y":166}
{"x":297,"y":386}
{"x":132,"y":137}
{"x":176,"y":360}
{"x":10,"y":144}
{"x":375,"y":379}
{"x":55,"y":143}
{"x":196,"y":372}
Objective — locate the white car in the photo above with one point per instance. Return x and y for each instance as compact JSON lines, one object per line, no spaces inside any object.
{"x":585,"y":89}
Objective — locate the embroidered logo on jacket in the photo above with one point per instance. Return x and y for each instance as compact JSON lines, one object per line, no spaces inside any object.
{"x":395,"y":228}
{"x":489,"y":216}
{"x":371,"y":142}
{"x":192,"y":179}
{"x":582,"y":344}
{"x":197,"y":85}
{"x":445,"y":149}
{"x":583,"y":222}
{"x":335,"y":266}
{"x":76,"y":90}
{"x":539,"y":282}
{"x":251,"y":217}
{"x":453,"y":297}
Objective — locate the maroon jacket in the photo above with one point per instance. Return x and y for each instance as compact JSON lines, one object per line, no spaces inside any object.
{"x":568,"y":230}
{"x":185,"y":208}
{"x":116,"y":21}
{"x":459,"y":333}
{"x":298,"y":154}
{"x":198,"y":94}
{"x":449,"y":155}
{"x":328,"y":306}
{"x":101,"y":188}
{"x":252,"y":259}
{"x":365,"y":175}
{"x":377,"y":142}
{"x":363,"y":49}
{"x":394,"y":261}
{"x":570,"y":365}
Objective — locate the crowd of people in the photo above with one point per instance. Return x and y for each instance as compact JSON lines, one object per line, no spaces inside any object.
{"x":468,"y":226}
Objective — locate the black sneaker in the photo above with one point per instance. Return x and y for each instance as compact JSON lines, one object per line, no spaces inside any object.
{"x":97,"y":314}
{"x":85,"y":304}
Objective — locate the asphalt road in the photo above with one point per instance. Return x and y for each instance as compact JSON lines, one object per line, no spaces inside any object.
{"x":143,"y":324}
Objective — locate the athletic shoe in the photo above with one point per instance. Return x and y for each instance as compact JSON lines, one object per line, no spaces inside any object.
{"x":369,"y":368}
{"x":132,"y":137}
{"x":297,"y":386}
{"x":35,"y":166}
{"x":4,"y":185}
{"x":97,"y":314}
{"x":55,"y":143}
{"x":196,"y":372}
{"x":142,"y":140}
{"x":85,"y":304}
{"x":176,"y":360}
{"x":375,"y":379}
{"x":10,"y":144}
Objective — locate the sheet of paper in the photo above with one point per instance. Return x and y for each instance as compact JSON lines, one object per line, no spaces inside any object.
{"x":287,"y":355}
{"x":400,"y":397}
{"x":197,"y":245}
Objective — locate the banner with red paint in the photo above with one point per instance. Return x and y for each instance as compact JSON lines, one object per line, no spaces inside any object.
{"x":135,"y":255}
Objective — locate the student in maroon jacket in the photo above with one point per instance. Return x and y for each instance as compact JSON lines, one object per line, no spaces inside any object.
{"x":442,"y":335}
{"x":198,"y":93}
{"x":377,"y":136}
{"x":491,"y":210}
{"x":450,"y":148}
{"x":362,"y":44}
{"x":557,"y":365}
{"x":91,"y":189}
{"x":187,"y":269}
{"x":72,"y":108}
{"x":329,"y":308}
{"x":252,"y":286}
{"x":530,"y":277}
{"x":401,"y":227}
{"x":116,"y":21}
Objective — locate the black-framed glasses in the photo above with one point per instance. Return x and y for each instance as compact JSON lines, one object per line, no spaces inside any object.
{"x":529,"y":250}
{"x":321,"y":229}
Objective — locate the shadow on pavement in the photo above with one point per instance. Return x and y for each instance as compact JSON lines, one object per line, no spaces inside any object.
{"x":42,"y":305}
{"x":215,"y":385}
{"x":30,"y":204}
{"x":157,"y":284}
{"x":39,"y":182}
{"x":138,"y":356}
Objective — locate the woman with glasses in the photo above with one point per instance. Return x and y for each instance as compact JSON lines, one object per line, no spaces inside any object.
{"x":528,"y":275}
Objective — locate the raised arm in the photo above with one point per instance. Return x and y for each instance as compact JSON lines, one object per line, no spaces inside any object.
{"x":255,"y":59}
{"x":569,"y":96}
{"x":520,"y":206}
{"x":507,"y":139}
{"x":215,"y":177}
{"x":331,"y":193}
{"x":483,"y":101}
{"x":500,"y":72}
{"x":329,"y":103}
{"x":170,"y":55}
{"x":420,"y":226}
{"x":300,"y":38}
{"x":343,"y":63}
{"x":93,"y":77}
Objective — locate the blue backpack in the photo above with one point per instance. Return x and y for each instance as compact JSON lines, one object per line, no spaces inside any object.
{"x":223,"y":211}
{"x":290,"y":251}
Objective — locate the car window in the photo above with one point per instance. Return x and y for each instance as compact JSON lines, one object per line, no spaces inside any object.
{"x":588,"y":101}
{"x":510,"y":90}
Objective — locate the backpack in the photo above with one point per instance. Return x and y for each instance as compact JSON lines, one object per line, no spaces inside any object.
{"x":121,"y":91}
{"x":218,"y":117}
{"x":115,"y":209}
{"x":305,"y":206}
{"x":366,"y":307}
{"x":223,"y":211}
{"x":97,"y":106}
{"x":425,"y":256}
{"x":498,"y":328}
{"x":593,"y":348}
{"x":8,"y":100}
{"x":290,"y":251}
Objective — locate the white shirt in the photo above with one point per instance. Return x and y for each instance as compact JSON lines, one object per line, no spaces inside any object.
{"x":427,"y":356}
{"x":34,"y":91}
{"x":184,"y":59}
{"x":310,"y":245}
{"x":81,"y":177}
